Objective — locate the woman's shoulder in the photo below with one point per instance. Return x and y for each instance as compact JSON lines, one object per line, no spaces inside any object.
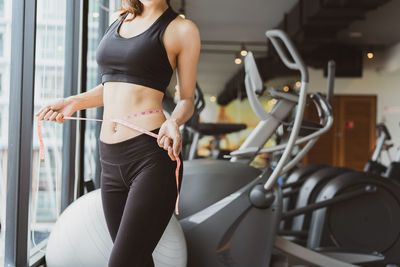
{"x":114,"y":16}
{"x":184,"y":26}
{"x":184,"y":29}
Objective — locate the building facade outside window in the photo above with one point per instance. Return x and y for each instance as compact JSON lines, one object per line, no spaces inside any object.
{"x":5,"y":62}
{"x":45,"y":202}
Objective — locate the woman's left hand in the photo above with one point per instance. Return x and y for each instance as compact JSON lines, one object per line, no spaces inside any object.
{"x":169,"y":132}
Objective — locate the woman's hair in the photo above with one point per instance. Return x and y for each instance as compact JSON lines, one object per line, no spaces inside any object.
{"x":133,"y":6}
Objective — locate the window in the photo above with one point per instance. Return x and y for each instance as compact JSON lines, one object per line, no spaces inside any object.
{"x":47,"y":9}
{"x":4,"y":106}
{"x":1,"y":83}
{"x":49,"y":85}
{"x":95,"y":19}
{"x":50,"y":43}
{"x":1,"y":44}
{"x":2,"y":8}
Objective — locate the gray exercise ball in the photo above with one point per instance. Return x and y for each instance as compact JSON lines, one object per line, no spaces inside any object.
{"x":80,"y":238}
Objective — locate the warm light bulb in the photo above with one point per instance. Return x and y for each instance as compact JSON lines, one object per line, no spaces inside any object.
{"x":298,"y":84}
{"x":213,"y":98}
{"x":243,"y":52}
{"x":272,"y":101}
{"x":370,"y":55}
{"x":238,"y":60}
{"x":286,"y":88}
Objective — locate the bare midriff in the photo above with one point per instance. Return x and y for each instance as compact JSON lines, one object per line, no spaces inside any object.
{"x":121,"y":99}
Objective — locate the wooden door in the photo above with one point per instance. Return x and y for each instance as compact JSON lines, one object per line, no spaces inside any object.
{"x":349,"y":142}
{"x":324,"y":150}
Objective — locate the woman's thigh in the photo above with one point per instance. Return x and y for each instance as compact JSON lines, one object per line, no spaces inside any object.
{"x":113,"y":195}
{"x":149,"y":207}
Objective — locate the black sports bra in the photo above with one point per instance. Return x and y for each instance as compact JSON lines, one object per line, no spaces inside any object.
{"x":141,"y":59}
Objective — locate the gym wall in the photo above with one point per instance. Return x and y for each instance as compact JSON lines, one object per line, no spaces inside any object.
{"x":382,"y":79}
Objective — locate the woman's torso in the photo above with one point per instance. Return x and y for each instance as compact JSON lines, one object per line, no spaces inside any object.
{"x":124,"y":98}
{"x":121,"y":99}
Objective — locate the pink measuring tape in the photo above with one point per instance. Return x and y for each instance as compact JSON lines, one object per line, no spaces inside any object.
{"x":127,"y":124}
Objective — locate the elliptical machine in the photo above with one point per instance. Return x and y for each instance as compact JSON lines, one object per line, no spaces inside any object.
{"x":221,"y":233}
{"x":237,"y":211}
{"x":373,"y":165}
{"x":238,"y":227}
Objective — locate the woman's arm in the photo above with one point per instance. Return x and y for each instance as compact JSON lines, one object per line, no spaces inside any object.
{"x":60,"y":107}
{"x":187,"y":60}
{"x":89,"y":99}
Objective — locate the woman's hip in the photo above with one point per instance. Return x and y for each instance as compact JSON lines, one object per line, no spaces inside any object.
{"x":132,"y":149}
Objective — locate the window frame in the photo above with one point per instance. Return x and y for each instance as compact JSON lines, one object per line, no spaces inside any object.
{"x":21,"y":125}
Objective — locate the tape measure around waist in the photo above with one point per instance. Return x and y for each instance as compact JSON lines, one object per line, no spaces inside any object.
{"x":127,"y":124}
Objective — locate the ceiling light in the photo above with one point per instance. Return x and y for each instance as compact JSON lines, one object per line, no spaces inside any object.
{"x":370,"y":55}
{"x":243,"y":52}
{"x":213,"y":98}
{"x":286,"y":88}
{"x":238,"y":60}
{"x":298,"y":84}
{"x":355,"y":34}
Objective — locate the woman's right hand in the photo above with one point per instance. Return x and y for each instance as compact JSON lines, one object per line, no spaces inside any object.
{"x":57,"y":109}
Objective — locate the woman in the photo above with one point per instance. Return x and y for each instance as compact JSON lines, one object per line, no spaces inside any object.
{"x":137,"y":56}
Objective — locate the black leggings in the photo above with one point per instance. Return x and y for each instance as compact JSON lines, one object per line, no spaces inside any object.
{"x":138,"y":191}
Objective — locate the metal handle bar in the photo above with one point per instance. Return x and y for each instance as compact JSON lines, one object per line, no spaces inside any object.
{"x":297,"y":63}
{"x":331,"y":81}
{"x":254,"y":84}
{"x":327,"y":123}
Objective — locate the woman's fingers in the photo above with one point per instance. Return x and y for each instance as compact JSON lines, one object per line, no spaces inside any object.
{"x":60,"y":117}
{"x":167,"y":143}
{"x":176,"y":144}
{"x":170,"y":153}
{"x":47,"y":116}
{"x":53,"y":116}
{"x":161,"y":142}
{"x":42,"y":114}
{"x":160,"y":139}
{"x":42,"y":109}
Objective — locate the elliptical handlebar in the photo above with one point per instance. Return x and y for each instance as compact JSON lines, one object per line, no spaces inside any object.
{"x":319,"y":102}
{"x":324,"y":108}
{"x":331,"y":81}
{"x":324,"y":112}
{"x":298,"y":64}
{"x":322,"y":104}
{"x":254,"y":84}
